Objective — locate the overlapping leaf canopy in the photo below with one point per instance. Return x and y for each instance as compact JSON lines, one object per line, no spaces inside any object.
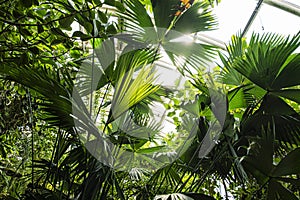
{"x":259,"y":142}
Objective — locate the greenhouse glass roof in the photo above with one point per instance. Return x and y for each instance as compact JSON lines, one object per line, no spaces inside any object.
{"x":277,"y":16}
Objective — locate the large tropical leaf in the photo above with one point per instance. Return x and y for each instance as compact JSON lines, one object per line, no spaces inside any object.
{"x":277,"y":191}
{"x":259,"y":163}
{"x":273,"y":110}
{"x":129,"y":91}
{"x":169,"y":31}
{"x":268,"y":57}
{"x":260,"y":159}
{"x":289,"y":72}
{"x":54,"y":94}
{"x":292,"y":94}
{"x":193,"y":21}
{"x":229,"y":75}
{"x":255,"y":71}
{"x":289,"y":164}
{"x":137,"y":18}
{"x":267,"y":61}
{"x":164,"y":12}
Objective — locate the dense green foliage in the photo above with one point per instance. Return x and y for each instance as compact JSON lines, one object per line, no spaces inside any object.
{"x":42,"y":154}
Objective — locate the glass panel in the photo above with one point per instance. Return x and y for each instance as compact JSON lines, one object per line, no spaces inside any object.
{"x":296,"y":2}
{"x":272,"y":19}
{"x":233,"y":16}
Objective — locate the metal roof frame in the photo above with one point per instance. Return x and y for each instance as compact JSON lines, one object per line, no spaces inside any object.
{"x":285,"y":5}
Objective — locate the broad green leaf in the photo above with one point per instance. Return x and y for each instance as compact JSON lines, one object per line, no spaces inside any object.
{"x":164,"y":12}
{"x":111,"y":29}
{"x":58,"y":32}
{"x":150,"y":150}
{"x":292,"y":94}
{"x":273,"y":111}
{"x":82,"y":35}
{"x":295,"y":182}
{"x":257,"y":168}
{"x":137,"y":13}
{"x":228,"y":74}
{"x":191,"y":107}
{"x":129,"y":91}
{"x":97,"y":2}
{"x":119,"y":5}
{"x":57,"y":41}
{"x":88,"y":27}
{"x":290,"y":73}
{"x":259,"y":162}
{"x":236,"y":98}
{"x":66,"y":22}
{"x":288,"y":165}
{"x":277,"y":191}
{"x":276,"y":106}
{"x":102,"y":16}
{"x":195,"y":19}
{"x":264,"y":58}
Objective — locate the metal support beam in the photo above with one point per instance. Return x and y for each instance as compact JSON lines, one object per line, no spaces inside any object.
{"x":210,"y":40}
{"x":285,"y":5}
{"x":251,"y":19}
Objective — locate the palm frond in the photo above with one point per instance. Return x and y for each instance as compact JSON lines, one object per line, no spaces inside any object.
{"x":189,"y":56}
{"x":274,"y":110}
{"x":292,"y":94}
{"x":164,"y":12}
{"x":193,"y":21}
{"x":265,"y":57}
{"x":129,"y":91}
{"x":166,"y":176}
{"x":236,"y":48}
{"x":55,"y":95}
{"x":137,"y":18}
{"x":168,"y":28}
{"x":289,"y":72}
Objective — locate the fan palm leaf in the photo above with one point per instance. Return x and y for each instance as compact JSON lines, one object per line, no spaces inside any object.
{"x":268,"y":62}
{"x":129,"y":92}
{"x":261,"y":65}
{"x":166,"y":27}
{"x":260,"y":164}
{"x":267,"y":58}
{"x":54,"y":94}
